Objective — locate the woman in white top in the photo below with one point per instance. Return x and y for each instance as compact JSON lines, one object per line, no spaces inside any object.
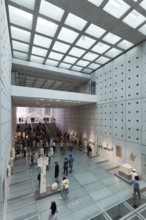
{"x":53,"y":213}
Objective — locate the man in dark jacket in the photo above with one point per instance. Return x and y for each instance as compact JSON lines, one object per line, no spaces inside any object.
{"x":56,"y":175}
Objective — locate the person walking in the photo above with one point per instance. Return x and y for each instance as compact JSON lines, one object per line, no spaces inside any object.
{"x":136,"y":191}
{"x":56,"y":175}
{"x":65,"y":166}
{"x":39,"y":178}
{"x":65,"y":188}
{"x":70,"y":162}
{"x":53,"y":212}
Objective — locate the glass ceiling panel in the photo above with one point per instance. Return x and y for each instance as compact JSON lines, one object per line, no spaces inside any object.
{"x":143,"y":4}
{"x":20,"y":55}
{"x":113,"y":52}
{"x":124,"y":44}
{"x":65,"y":65}
{"x":94,"y":66}
{"x":111,"y":38}
{"x":134,"y":19}
{"x":90,"y":56}
{"x":46,"y":27}
{"x":100,"y":48}
{"x":26,"y":3}
{"x":52,"y":62}
{"x":42,"y":41}
{"x":36,"y":59}
{"x":20,"y":17}
{"x":77,"y":52}
{"x":116,"y":8}
{"x":143,"y":29}
{"x":20,"y":46}
{"x":102,"y":60}
{"x":82,"y":63}
{"x":70,"y":59}
{"x":67,"y":35}
{"x":51,"y":10}
{"x":75,"y":22}
{"x":39,"y":51}
{"x":20,"y":34}
{"x":85,"y":42}
{"x":61,"y":47}
{"x":96,"y":2}
{"x":77,"y":68}
{"x":87,"y":70}
{"x":55,"y":56}
{"x":95,"y":31}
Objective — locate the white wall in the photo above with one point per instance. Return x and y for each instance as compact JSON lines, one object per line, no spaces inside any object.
{"x":80,"y":120}
{"x":5,"y":96}
{"x":121,"y":109}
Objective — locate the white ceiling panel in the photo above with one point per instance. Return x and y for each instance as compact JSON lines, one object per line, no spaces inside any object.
{"x":55,"y":56}
{"x":100,"y":48}
{"x":134,"y":19}
{"x":75,"y":51}
{"x":20,"y":34}
{"x":51,"y":11}
{"x":46,"y":27}
{"x":85,"y":42}
{"x":20,"y":17}
{"x":116,"y":8}
{"x":75,"y":21}
{"x":20,"y":46}
{"x":67,"y":35}
{"x":60,"y":47}
{"x":95,"y":31}
{"x":42,"y":41}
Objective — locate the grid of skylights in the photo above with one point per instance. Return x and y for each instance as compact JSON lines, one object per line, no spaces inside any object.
{"x":45,"y":33}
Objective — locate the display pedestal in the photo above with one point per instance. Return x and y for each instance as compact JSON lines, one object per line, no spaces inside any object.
{"x":49,"y":192}
{"x":125,"y":177}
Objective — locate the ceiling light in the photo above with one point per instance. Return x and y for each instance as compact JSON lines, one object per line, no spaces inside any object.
{"x":100,"y":48}
{"x":20,"y":46}
{"x":95,"y":31}
{"x":67,"y":35}
{"x":36,"y":59}
{"x":20,"y":17}
{"x":75,"y":51}
{"x":143,"y":29}
{"x":87,"y":43}
{"x":46,"y":27}
{"x":124,"y":44}
{"x":113,"y":52}
{"x":39,"y":51}
{"x":51,"y":62}
{"x":42,"y":41}
{"x":60,"y":47}
{"x":102,"y":60}
{"x":111,"y":38}
{"x":55,"y":56}
{"x":75,"y":21}
{"x":116,"y":8}
{"x":50,"y":10}
{"x":134,"y":19}
{"x":20,"y":34}
{"x":70,"y":59}
{"x":82,"y":63}
{"x":90,"y":56}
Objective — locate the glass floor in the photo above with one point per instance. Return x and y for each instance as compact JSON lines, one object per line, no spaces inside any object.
{"x":93,"y":189}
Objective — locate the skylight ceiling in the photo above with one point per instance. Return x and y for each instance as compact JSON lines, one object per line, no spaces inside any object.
{"x":76,"y":35}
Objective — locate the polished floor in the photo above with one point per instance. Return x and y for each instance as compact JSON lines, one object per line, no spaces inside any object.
{"x":94,"y":189}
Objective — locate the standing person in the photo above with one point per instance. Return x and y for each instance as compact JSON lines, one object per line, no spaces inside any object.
{"x":56,"y":175}
{"x":70,"y":162}
{"x":39,"y":178}
{"x":136,"y":191}
{"x":65,"y":187}
{"x":133,"y":174}
{"x":65,"y":166}
{"x":53,"y":213}
{"x":88,"y":149}
{"x":32,"y":161}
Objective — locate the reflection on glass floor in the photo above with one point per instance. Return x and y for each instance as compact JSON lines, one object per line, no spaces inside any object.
{"x":93,"y":190}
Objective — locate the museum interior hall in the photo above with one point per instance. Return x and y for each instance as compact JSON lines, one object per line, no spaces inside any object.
{"x":73,"y":84}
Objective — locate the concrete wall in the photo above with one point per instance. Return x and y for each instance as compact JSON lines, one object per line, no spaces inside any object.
{"x":5,"y":98}
{"x":121,"y":108}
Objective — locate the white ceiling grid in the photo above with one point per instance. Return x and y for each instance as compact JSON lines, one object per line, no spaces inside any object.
{"x":78,"y":35}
